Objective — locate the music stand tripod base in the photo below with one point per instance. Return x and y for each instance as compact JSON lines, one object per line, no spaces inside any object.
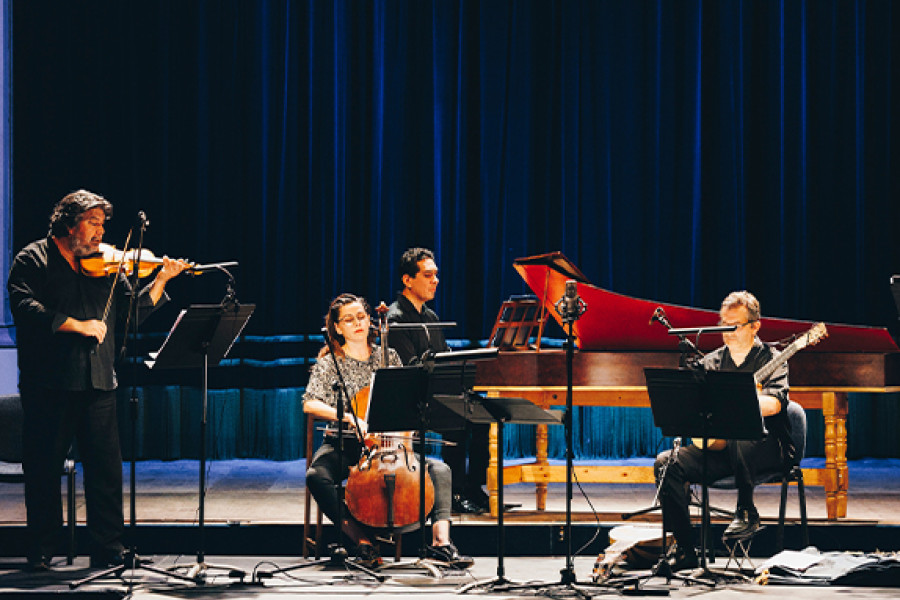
{"x":201,"y":337}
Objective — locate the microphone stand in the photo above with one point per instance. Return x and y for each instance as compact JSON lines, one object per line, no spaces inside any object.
{"x":570,"y":307}
{"x":690,"y":358}
{"x":690,"y":354}
{"x":662,"y":568}
{"x":339,"y":555}
{"x":131,"y":560}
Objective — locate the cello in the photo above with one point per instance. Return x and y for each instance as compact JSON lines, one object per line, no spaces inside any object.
{"x":383,"y":489}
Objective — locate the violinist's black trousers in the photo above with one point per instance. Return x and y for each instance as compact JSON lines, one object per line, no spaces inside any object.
{"x":52,"y":419}
{"x":327,"y":468}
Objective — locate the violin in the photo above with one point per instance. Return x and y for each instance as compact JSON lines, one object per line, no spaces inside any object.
{"x":109,"y":260}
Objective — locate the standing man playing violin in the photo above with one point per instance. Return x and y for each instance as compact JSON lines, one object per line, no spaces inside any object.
{"x":67,"y":380}
{"x":419,"y":275}
{"x":743,"y":351}
{"x":348,"y":325}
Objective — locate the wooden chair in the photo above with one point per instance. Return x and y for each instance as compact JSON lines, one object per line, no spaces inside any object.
{"x":11,"y":471}
{"x":313,"y":544}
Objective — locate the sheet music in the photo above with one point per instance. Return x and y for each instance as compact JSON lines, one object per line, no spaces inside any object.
{"x":153,"y":355}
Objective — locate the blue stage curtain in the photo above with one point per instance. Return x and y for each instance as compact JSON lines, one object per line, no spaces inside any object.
{"x":241,"y":423}
{"x":269,"y":423}
{"x":672,"y":150}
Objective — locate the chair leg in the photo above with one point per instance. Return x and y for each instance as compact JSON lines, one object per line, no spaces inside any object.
{"x":316,"y":542}
{"x":796,"y":474}
{"x":782,"y":513}
{"x":306,"y":513}
{"x":70,"y":507}
{"x":801,"y":493}
{"x":319,"y":532}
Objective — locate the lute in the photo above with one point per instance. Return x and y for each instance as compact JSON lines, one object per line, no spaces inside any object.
{"x":810,"y":338}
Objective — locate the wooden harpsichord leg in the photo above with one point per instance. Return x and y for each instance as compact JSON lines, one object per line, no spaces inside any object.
{"x":493,"y":464}
{"x":540,"y":488}
{"x":834,"y":412}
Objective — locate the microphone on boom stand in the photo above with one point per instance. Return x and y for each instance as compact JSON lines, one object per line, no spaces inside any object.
{"x":570,"y":307}
{"x":690,"y":354}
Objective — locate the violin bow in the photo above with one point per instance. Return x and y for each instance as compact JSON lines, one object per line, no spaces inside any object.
{"x":112,"y":290}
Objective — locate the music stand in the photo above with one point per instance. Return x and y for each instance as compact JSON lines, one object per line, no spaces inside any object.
{"x":393,"y":398}
{"x":201,"y":337}
{"x":895,"y":290}
{"x":477,"y":409}
{"x":703,"y":405}
{"x":399,"y":400}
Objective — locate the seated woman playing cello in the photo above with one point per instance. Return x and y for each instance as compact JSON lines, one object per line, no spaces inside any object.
{"x":348,"y":325}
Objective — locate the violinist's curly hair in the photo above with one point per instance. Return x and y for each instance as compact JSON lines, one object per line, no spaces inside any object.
{"x":331,"y":319}
{"x":67,"y":212}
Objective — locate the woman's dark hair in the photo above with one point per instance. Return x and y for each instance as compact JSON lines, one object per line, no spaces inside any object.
{"x":331,"y":319}
{"x":68,"y":211}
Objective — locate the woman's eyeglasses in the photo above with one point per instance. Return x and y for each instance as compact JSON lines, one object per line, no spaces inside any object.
{"x":350,"y":319}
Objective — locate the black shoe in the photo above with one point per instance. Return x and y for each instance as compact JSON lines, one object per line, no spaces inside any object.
{"x":482,"y":501}
{"x":103,"y":559}
{"x":685,"y":558}
{"x":40,"y":564}
{"x":478,"y":498}
{"x":450,"y":555}
{"x":745,"y":524}
{"x":462,"y":505}
{"x":368,"y":556}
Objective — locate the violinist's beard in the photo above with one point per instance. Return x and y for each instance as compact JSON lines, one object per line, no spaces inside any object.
{"x":83,"y":247}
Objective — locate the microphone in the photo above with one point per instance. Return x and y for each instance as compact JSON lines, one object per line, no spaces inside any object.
{"x":571,"y":297}
{"x":676,"y":445}
{"x":570,"y":306}
{"x":660,"y":315}
{"x":142,"y":219}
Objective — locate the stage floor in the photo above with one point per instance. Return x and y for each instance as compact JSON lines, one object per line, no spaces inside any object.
{"x":266,"y":497}
{"x":253,"y":492}
{"x":321,"y":582}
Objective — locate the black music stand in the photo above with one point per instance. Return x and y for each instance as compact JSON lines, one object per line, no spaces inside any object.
{"x":703,"y":405}
{"x":477,"y":409}
{"x":895,"y":290}
{"x":201,"y":337}
{"x":399,"y":400}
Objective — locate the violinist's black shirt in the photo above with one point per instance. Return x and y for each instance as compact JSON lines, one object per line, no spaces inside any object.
{"x":43,"y":292}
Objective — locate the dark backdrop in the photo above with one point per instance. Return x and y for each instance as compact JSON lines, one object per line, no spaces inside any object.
{"x":673,"y":150}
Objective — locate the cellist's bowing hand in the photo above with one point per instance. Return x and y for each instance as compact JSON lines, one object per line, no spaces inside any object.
{"x":358,"y":424}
